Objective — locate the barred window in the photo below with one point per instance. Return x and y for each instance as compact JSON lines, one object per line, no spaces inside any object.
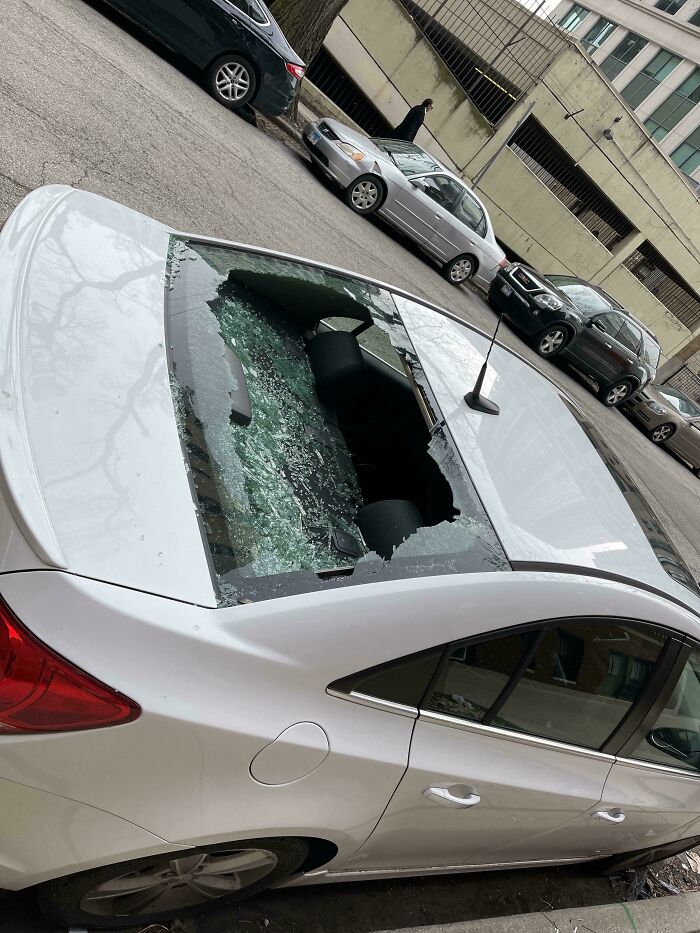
{"x":662,"y":280}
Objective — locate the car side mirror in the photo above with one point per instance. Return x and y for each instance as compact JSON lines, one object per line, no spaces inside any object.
{"x":683,"y":744}
{"x":418,"y":183}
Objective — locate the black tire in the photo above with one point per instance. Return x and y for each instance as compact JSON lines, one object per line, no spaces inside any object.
{"x":365,"y":194}
{"x":62,"y":900}
{"x":552,"y":340}
{"x":460,"y":269}
{"x":242,"y":76}
{"x":662,"y":432}
{"x":612,"y":395}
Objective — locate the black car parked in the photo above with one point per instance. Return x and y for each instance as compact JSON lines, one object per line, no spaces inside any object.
{"x":565,"y":316}
{"x":235,"y":43}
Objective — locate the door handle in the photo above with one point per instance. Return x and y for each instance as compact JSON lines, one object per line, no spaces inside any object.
{"x":442,"y":795}
{"x":609,"y":346}
{"x":609,"y":816}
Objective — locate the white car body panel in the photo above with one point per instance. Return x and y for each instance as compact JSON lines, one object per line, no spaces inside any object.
{"x":202,"y":726}
{"x":574,"y":514}
{"x":99,"y":499}
{"x":88,"y":448}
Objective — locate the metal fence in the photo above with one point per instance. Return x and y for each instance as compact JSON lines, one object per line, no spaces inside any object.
{"x":496,"y":49}
{"x":557,"y":170}
{"x":665,"y":283}
{"x":687,"y":381}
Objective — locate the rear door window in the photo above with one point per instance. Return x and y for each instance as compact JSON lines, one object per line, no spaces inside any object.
{"x":572,"y":682}
{"x":470,"y":213}
{"x":674,"y":737}
{"x":629,"y":336}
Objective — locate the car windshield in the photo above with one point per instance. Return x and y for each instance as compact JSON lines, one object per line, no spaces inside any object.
{"x":586,"y":299}
{"x":409,"y":159}
{"x":680,"y":402}
{"x":310,"y":430}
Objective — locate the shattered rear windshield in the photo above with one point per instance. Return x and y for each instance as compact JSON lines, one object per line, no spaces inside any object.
{"x":317,"y":453}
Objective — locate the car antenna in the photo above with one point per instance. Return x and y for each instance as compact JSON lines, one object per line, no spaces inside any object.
{"x":474,"y":398}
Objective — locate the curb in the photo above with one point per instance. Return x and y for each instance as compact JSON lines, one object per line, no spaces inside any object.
{"x":680,"y":914}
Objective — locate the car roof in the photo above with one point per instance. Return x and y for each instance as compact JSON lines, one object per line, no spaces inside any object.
{"x":555,"y":493}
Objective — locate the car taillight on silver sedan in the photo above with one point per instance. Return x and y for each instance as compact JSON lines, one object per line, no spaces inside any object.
{"x":42,"y":692}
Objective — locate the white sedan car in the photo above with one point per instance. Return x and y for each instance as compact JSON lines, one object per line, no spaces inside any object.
{"x":413,"y":192}
{"x":279,"y":607}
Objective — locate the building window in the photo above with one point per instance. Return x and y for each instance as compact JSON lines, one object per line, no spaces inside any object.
{"x":662,"y":280}
{"x":641,"y":86}
{"x":677,"y":105}
{"x":669,"y":6}
{"x":596,"y":36}
{"x":555,"y":168}
{"x":573,"y":18}
{"x":695,"y":19}
{"x":330,"y":78}
{"x":623,"y":54}
{"x":687,"y":155}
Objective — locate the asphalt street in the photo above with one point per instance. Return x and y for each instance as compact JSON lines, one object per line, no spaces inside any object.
{"x":85,"y":102}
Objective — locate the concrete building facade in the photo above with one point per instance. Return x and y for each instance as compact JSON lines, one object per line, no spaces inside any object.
{"x":650,"y":51}
{"x":573,"y":182}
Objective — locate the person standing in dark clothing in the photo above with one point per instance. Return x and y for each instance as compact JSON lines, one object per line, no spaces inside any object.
{"x":412,"y":122}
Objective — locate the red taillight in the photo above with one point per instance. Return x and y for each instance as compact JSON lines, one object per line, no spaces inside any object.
{"x":296,"y":70}
{"x":504,"y":263}
{"x":41,"y":692}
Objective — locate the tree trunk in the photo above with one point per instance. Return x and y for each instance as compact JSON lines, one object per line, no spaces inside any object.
{"x":305,"y":23}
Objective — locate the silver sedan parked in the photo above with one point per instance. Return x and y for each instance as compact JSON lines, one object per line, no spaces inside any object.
{"x":671,"y":419}
{"x":411,"y":190}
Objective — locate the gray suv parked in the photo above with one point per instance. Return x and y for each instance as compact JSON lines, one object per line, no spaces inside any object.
{"x":568,"y":317}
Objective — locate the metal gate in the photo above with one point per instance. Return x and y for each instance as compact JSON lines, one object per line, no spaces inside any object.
{"x":687,"y":381}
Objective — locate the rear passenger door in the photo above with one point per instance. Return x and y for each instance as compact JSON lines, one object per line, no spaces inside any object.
{"x":461,"y":229}
{"x":508,"y":762}
{"x":654,"y":788}
{"x":597,"y":346}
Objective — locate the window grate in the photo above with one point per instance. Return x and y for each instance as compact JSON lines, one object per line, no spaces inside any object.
{"x":327,"y":75}
{"x":556,"y":169}
{"x":495,"y":49}
{"x":687,"y":381}
{"x":662,"y":280}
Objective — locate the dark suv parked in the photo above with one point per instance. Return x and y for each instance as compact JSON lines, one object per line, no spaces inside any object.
{"x":235,"y":43}
{"x":565,"y":316}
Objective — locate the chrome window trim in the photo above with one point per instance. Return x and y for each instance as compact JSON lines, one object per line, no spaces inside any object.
{"x":250,"y":19}
{"x":523,"y":738}
{"x":388,"y":706}
{"x":653,"y":766}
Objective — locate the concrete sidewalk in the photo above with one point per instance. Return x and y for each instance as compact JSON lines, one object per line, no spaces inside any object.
{"x":657,"y":915}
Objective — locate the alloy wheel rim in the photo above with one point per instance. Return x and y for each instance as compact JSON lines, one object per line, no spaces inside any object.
{"x":461,"y":270}
{"x":617,"y":393}
{"x":179,"y":883}
{"x":232,"y":81}
{"x":364,"y":195}
{"x":551,"y":342}
{"x":662,"y":433}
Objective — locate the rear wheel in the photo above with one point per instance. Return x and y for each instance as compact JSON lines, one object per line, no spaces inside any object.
{"x":661,"y":433}
{"x":232,"y":80}
{"x":167,"y":887}
{"x":459,"y":269}
{"x":551,"y":340}
{"x":365,"y":194}
{"x":615,"y":394}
